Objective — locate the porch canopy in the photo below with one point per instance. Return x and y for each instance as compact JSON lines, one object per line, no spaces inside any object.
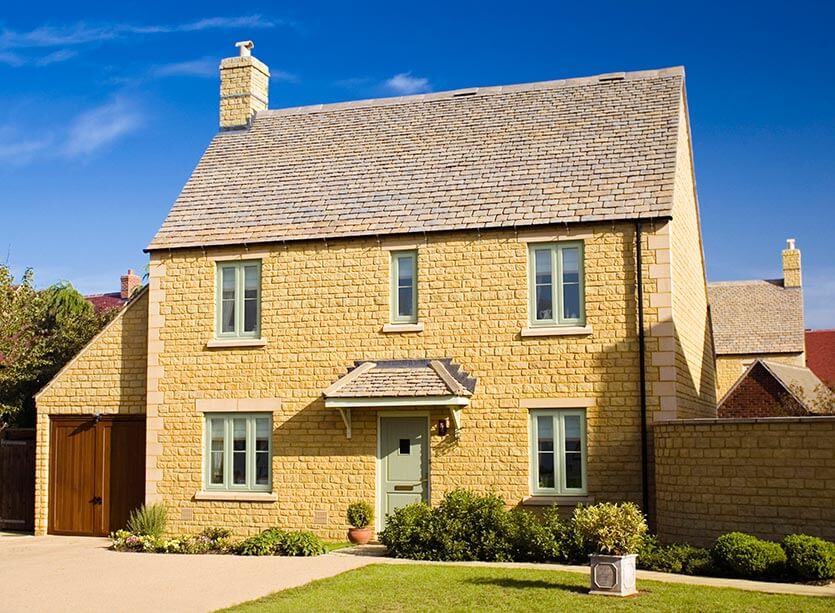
{"x":401,"y":383}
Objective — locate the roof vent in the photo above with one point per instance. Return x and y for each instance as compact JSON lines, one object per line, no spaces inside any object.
{"x":612,"y":76}
{"x":465,"y":94}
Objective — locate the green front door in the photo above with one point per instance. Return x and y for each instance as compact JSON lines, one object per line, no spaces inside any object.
{"x":403,"y":462}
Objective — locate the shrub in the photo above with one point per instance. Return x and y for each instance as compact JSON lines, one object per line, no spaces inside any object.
{"x":745,"y":555}
{"x":810,"y":558}
{"x":219,"y":539}
{"x":676,"y":558}
{"x":570,"y":547}
{"x":360,"y":514}
{"x":530,"y":539}
{"x":297,"y":544}
{"x":469,"y":527}
{"x":148,"y":520}
{"x":262,"y":544}
{"x":613,"y":529}
{"x":409,"y":533}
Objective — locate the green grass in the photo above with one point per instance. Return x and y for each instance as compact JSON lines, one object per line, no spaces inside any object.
{"x":334,"y":546}
{"x":413,"y":587}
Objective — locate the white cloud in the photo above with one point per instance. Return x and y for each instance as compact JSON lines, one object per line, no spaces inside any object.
{"x":21,"y":151}
{"x":99,"y":127}
{"x":81,"y":33}
{"x":11,"y":59}
{"x":404,"y":84}
{"x":61,"y":55}
{"x":204,"y":67}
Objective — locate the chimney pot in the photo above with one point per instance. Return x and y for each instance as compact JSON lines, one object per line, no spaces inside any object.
{"x":791,"y":265}
{"x":245,"y":47}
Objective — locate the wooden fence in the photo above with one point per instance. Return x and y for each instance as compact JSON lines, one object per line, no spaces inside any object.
{"x":17,"y":479}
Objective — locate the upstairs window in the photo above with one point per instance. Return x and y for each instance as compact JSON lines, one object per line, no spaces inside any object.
{"x":237,"y":454}
{"x":404,"y":287}
{"x":556,"y":284}
{"x":558,"y":452}
{"x":239,"y":299}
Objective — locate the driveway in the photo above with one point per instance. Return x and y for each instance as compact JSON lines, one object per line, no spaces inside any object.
{"x":53,"y":573}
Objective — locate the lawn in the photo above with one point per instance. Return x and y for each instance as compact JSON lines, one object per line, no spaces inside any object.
{"x":414,"y":587}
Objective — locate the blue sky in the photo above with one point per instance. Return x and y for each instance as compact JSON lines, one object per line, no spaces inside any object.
{"x":108,"y":106}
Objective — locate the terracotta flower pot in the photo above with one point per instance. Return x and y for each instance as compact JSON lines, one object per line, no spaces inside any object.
{"x":360,"y":536}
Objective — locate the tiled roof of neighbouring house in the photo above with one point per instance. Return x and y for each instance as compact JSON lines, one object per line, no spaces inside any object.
{"x":757,"y":317}
{"x":590,"y":149}
{"x":402,"y":378}
{"x":820,"y":354}
{"x":105,"y":302}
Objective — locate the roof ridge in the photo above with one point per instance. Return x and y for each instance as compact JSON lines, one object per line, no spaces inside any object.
{"x":476,"y":91}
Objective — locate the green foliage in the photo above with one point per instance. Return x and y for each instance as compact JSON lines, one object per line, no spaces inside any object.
{"x":277,"y":542}
{"x":612,"y":529}
{"x":570,"y":546}
{"x":531,"y":540}
{"x":148,"y":520}
{"x":360,"y":514}
{"x":676,"y":558}
{"x":40,"y":331}
{"x":409,"y":533}
{"x":810,"y":558}
{"x":472,"y":527}
{"x":744,"y":555}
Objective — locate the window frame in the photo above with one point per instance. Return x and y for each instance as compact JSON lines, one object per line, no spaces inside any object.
{"x":228,"y":438}
{"x":394,"y":289}
{"x":240,"y":286}
{"x":557,"y":416}
{"x":557,"y":294}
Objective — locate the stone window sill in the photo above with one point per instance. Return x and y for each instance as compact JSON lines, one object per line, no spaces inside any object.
{"x":560,"y":501}
{"x":394,"y":328}
{"x":237,"y":496}
{"x":556,"y":331}
{"x":221,"y":343}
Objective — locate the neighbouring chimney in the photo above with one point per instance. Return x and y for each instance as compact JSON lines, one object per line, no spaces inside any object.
{"x":244,"y":87}
{"x":130,"y":282}
{"x":791,"y":265}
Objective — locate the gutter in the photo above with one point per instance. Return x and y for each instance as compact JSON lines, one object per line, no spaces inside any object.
{"x":639,"y":279}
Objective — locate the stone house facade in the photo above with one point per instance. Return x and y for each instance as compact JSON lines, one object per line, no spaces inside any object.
{"x":497,"y":288}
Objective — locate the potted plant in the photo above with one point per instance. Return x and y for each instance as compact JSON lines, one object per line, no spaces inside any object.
{"x":360,"y":516}
{"x":615,"y":532}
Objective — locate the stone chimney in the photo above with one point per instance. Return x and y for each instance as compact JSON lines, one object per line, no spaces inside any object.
{"x":791,"y":265}
{"x":130,"y":282}
{"x":244,"y":85}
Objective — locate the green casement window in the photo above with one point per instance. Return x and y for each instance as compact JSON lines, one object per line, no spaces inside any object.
{"x":556,"y":284}
{"x":404,"y":287}
{"x":238,"y":299}
{"x":237,"y":455}
{"x":558,"y":452}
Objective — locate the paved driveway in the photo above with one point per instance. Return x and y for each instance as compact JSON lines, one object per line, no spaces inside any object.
{"x":54,"y":573}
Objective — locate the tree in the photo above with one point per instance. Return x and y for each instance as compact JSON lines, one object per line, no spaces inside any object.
{"x":40,"y":331}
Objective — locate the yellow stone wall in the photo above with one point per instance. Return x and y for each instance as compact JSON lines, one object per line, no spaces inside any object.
{"x":107,"y":376}
{"x":324,"y":305}
{"x":770,"y":477}
{"x":694,"y":361}
{"x":244,"y":88}
{"x":729,"y":368}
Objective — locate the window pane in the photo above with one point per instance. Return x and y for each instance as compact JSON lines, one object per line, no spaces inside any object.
{"x":573,"y":470}
{"x":545,"y":447}
{"x":228,"y":274}
{"x":227,"y":317}
{"x":571,"y":265}
{"x":239,"y":451}
{"x":571,"y":301}
{"x":251,"y":281}
{"x":571,"y":283}
{"x":572,"y":424}
{"x":216,"y":446}
{"x":545,"y":433}
{"x":250,"y":315}
{"x":573,"y":428}
{"x":544,"y":306}
{"x":404,"y":302}
{"x":405,"y":270}
{"x":262,"y":451}
{"x":546,"y":470}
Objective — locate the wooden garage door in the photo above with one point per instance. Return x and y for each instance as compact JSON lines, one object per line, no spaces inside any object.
{"x":96,"y":473}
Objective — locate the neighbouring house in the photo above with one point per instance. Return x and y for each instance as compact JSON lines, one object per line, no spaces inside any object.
{"x":496,"y":288}
{"x":775,"y":389}
{"x":761,"y":319}
{"x":820,"y":355}
{"x":130,"y":283}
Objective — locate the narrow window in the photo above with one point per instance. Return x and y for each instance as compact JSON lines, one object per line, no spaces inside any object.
{"x":239,"y":299}
{"x":556,"y":284}
{"x":558,"y":452}
{"x":404,"y":287}
{"x":238,"y":449}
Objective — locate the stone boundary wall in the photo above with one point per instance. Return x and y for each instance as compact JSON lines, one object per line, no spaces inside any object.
{"x":766,"y":476}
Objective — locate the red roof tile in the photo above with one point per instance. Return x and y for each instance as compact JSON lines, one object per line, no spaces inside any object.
{"x":820,"y":354}
{"x":105,"y":302}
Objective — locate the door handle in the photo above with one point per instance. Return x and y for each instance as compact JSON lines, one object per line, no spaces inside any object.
{"x":96,"y":500}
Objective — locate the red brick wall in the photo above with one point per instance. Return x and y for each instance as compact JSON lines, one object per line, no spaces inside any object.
{"x":760,"y":395}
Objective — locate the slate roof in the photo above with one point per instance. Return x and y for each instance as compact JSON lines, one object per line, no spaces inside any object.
{"x":105,"y":302}
{"x":591,"y":149}
{"x":756,"y":317}
{"x":820,"y":354}
{"x":401,"y":379}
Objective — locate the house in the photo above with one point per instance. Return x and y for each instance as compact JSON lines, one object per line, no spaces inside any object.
{"x":760,"y":319}
{"x":820,"y":355}
{"x":496,"y":288}
{"x":130,"y":283}
{"x":775,"y":389}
